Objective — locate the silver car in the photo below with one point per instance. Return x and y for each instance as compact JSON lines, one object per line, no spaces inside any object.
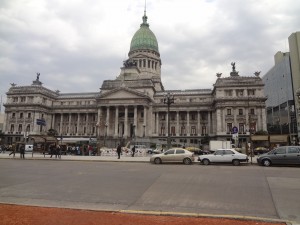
{"x":280,"y":155}
{"x":173,"y":155}
{"x":224,"y":156}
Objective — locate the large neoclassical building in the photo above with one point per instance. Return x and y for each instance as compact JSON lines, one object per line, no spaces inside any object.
{"x":133,"y":106}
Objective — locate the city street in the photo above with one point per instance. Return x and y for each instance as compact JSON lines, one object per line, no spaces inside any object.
{"x":246,"y":190}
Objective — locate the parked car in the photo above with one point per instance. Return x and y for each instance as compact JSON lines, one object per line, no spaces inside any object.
{"x":280,"y":155}
{"x":28,"y":148}
{"x":173,"y":155}
{"x":224,"y":156}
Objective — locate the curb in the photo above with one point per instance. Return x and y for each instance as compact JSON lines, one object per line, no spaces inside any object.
{"x":199,"y":215}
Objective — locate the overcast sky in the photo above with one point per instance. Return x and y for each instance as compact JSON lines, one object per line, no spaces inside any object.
{"x":76,"y":45}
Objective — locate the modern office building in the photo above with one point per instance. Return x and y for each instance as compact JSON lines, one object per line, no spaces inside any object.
{"x":136,"y":107}
{"x":281,"y":116}
{"x":282,"y":87}
{"x":294,"y":45}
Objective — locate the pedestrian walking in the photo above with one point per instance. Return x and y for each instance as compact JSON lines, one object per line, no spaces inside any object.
{"x":52,"y":150}
{"x":22,"y":151}
{"x":119,"y":151}
{"x":13,"y":150}
{"x":133,"y":150}
{"x":58,"y":152}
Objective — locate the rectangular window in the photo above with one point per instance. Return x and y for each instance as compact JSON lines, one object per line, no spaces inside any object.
{"x":228,"y":112}
{"x":29,"y":115}
{"x":173,"y":131}
{"x":20,"y":128}
{"x":182,"y":130}
{"x":173,"y":116}
{"x":23,"y":99}
{"x":241,"y":112}
{"x":193,"y":116}
{"x":13,"y":115}
{"x":241,"y":128}
{"x":252,"y":112}
{"x":182,"y":116}
{"x":193,"y":130}
{"x":21,"y":115}
{"x":229,"y":127}
{"x":251,"y":92}
{"x":15,"y":99}
{"x":239,"y":92}
{"x":203,"y":130}
{"x":228,"y":92}
{"x":162,"y":130}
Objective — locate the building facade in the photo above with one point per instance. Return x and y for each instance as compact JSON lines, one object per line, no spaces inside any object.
{"x":132,"y":107}
{"x":281,"y":115}
{"x":294,"y":45}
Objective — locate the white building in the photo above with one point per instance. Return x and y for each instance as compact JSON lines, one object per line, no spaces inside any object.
{"x":132,"y":107}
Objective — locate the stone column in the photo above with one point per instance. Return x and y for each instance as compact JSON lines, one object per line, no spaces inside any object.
{"x":136,"y":130}
{"x":116,"y":121}
{"x":107,"y":121}
{"x":188,"y":132}
{"x":198,"y":123}
{"x":53,"y":121}
{"x":61,"y":123}
{"x":69,"y":124}
{"x":145,"y":121}
{"x":99,"y":121}
{"x":219,"y":121}
{"x":208,"y":122}
{"x":78,"y":125}
{"x":157,"y":120}
{"x":177,"y":122}
{"x":264,"y":119}
{"x":126,"y":122}
{"x":87,"y":124}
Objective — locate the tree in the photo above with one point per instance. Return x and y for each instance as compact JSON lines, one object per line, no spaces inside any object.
{"x":52,"y":132}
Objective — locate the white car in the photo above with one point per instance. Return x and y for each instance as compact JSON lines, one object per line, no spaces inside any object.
{"x":223,"y":156}
{"x":173,"y":155}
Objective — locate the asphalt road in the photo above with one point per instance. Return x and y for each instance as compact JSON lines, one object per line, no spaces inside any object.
{"x":246,"y":190}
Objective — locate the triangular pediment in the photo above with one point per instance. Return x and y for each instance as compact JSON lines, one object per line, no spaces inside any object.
{"x":123,"y":93}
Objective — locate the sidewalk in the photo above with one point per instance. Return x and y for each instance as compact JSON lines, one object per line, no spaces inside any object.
{"x":124,"y":158}
{"x":39,"y":156}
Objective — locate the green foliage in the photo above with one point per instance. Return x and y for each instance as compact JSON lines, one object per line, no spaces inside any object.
{"x":52,"y":132}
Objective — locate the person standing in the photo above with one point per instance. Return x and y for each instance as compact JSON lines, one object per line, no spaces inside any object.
{"x":22,"y":151}
{"x":133,"y":150}
{"x":58,"y":152}
{"x":119,"y":151}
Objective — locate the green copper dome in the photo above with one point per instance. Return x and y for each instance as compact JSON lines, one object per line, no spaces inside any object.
{"x":144,"y":38}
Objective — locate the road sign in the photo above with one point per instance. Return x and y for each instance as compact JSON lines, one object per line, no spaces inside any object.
{"x":235,"y":130}
{"x":41,"y":122}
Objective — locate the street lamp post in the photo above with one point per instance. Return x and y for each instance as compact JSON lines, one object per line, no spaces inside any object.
{"x":168,"y":100}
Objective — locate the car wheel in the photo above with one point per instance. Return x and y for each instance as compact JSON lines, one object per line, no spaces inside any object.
{"x":266,"y":162}
{"x":157,"y":161}
{"x":187,"y":161}
{"x":236,"y":162}
{"x":205,"y":162}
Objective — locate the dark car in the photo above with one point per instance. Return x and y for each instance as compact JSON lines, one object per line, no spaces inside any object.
{"x":281,"y":155}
